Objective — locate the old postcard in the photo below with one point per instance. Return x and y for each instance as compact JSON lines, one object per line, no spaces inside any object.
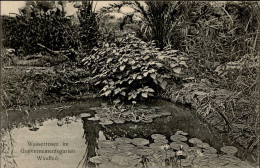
{"x":113,"y":84}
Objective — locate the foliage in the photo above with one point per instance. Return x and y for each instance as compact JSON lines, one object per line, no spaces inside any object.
{"x":46,"y":23}
{"x":25,"y":87}
{"x":212,"y":34}
{"x":134,"y":69}
{"x":88,"y":25}
{"x":157,"y":20}
{"x":46,"y":26}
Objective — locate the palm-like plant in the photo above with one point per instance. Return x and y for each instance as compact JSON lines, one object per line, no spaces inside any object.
{"x":158,"y":20}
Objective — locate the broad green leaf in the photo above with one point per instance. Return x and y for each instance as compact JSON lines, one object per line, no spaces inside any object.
{"x":139,"y":77}
{"x":134,"y":76}
{"x":134,"y":67}
{"x":109,"y":60}
{"x":163,"y":84}
{"x":130,"y":81}
{"x":160,"y":79}
{"x":107,"y":93}
{"x":123,"y":93}
{"x":159,"y":64}
{"x":145,"y":94}
{"x":172,"y":65}
{"x":146,"y":57}
{"x":122,"y":67}
{"x":161,"y":57}
{"x":97,"y":83}
{"x":132,"y":62}
{"x":150,"y":94}
{"x":145,"y":74}
{"x":117,"y":90}
{"x":125,"y":59}
{"x":153,"y":75}
{"x":149,"y":90}
{"x":177,"y":70}
{"x":151,"y":71}
{"x":183,"y":63}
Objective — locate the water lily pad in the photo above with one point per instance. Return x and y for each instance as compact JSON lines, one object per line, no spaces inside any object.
{"x":195,"y":141}
{"x":203,"y":145}
{"x":107,"y":144}
{"x":181,"y":133}
{"x":230,"y":158}
{"x":98,"y":159}
{"x":119,"y":121}
{"x":123,"y":140}
{"x":85,"y":115}
{"x":230,"y":150}
{"x":133,"y":160}
{"x":94,"y":118}
{"x":163,"y":141}
{"x":178,"y":138}
{"x":34,"y":128}
{"x":124,"y":151}
{"x":120,"y":160}
{"x":107,"y":122}
{"x":144,"y":152}
{"x":177,"y":146}
{"x":126,"y":146}
{"x":104,"y":119}
{"x":158,"y":136}
{"x":106,"y":151}
{"x":140,"y":141}
{"x":186,"y":162}
{"x":210,"y":150}
{"x":156,"y":146}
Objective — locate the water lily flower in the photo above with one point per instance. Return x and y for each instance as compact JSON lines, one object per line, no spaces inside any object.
{"x":179,"y":153}
{"x":165,"y":147}
{"x":116,"y":101}
{"x":199,"y":153}
{"x":133,"y":102}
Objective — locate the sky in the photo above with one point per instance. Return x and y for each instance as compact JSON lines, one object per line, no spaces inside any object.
{"x":13,"y":6}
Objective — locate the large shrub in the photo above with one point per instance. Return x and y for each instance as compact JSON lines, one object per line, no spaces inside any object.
{"x":46,"y":23}
{"x":134,"y":69}
{"x":39,"y":23}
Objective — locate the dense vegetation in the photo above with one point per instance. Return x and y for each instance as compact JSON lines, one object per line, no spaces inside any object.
{"x":202,"y":54}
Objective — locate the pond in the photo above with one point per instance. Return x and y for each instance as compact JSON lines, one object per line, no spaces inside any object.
{"x":63,"y":136}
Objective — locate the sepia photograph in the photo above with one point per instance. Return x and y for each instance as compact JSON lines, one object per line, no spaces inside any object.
{"x":130,"y":84}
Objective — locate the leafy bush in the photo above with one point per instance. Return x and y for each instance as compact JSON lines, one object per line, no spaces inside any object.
{"x":134,"y":69}
{"x":157,"y":20}
{"x":49,"y":28}
{"x":46,"y":23}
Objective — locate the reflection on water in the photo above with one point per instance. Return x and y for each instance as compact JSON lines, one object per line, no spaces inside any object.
{"x":68,"y":137}
{"x":91,"y":134}
{"x":80,"y":134}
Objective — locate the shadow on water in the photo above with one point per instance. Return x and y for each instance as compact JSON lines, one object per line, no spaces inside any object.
{"x":81,"y":136}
